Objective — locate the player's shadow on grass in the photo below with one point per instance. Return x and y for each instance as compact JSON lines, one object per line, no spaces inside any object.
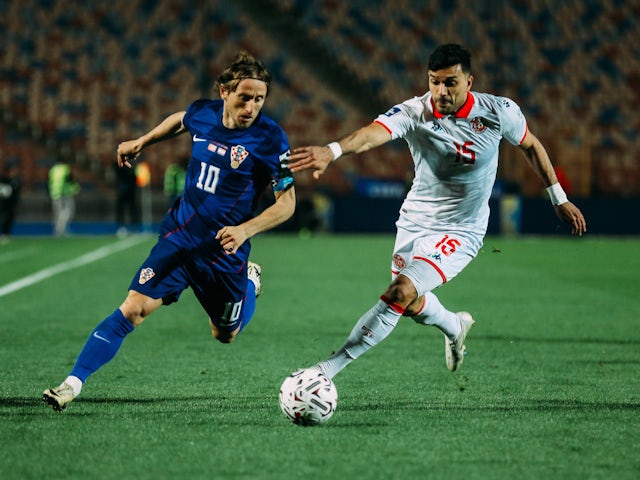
{"x":524,"y":405}
{"x":35,"y":402}
{"x":598,"y":341}
{"x":206,"y":403}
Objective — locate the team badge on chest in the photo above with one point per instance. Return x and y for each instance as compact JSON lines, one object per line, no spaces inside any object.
{"x":477,"y":125}
{"x":238,"y":155}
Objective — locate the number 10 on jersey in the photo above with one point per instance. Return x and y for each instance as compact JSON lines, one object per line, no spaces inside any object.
{"x":208,"y":179}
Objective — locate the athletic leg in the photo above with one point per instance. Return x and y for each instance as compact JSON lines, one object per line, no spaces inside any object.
{"x":434,"y":314}
{"x":254,"y":289}
{"x":160,"y":275}
{"x":249,"y":306}
{"x":58,"y":225}
{"x":228,"y":298}
{"x":102,"y":345}
{"x":246,"y":314}
{"x":436,"y":260}
{"x":67,"y":207}
{"x":373,"y":327}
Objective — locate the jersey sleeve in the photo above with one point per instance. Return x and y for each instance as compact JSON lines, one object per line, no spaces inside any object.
{"x":281,"y":178}
{"x":192,"y":110}
{"x":514,"y":124}
{"x":401,"y":119}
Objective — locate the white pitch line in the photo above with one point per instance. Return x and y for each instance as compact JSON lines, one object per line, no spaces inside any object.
{"x":69,"y":265}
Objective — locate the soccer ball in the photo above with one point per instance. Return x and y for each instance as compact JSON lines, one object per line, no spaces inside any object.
{"x":308,"y":397}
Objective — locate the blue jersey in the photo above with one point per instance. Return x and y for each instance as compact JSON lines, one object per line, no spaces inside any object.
{"x":228,"y":172}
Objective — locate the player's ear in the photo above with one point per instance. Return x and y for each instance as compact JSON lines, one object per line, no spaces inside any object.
{"x":469,"y":82}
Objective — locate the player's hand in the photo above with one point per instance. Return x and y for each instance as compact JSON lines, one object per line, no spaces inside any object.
{"x":310,"y":158}
{"x":127,"y":152}
{"x":231,"y":238}
{"x":569,"y":213}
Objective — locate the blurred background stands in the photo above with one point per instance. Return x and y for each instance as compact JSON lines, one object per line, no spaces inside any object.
{"x":77,"y":81}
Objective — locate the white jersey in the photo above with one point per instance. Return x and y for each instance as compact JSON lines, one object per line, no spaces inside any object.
{"x":455,"y":158}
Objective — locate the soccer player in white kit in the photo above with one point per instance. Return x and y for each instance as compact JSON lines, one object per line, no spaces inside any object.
{"x":453,"y":135}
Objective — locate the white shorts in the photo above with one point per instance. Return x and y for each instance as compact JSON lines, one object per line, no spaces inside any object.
{"x":430,"y":260}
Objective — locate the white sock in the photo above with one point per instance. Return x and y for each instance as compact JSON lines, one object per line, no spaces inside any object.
{"x":75,"y":383}
{"x":373,"y":327}
{"x":433,"y":313}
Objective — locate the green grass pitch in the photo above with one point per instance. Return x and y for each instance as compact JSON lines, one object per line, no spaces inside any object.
{"x":549,"y":388}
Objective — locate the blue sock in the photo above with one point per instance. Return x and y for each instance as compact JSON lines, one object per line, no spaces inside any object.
{"x":102,"y":345}
{"x":249,"y":306}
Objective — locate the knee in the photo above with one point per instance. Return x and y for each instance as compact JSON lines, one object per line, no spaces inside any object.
{"x":223,"y":336}
{"x":137,"y":307}
{"x":415,"y":307}
{"x":133,"y":313}
{"x":401,"y":291}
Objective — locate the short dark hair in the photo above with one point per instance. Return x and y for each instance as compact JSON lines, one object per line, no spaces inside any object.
{"x":244,"y":66}
{"x":448,"y":55}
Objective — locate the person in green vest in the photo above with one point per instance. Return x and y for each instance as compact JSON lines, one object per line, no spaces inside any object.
{"x":174,"y":177}
{"x":63,"y":189}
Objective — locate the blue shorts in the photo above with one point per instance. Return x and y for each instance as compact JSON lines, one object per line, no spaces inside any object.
{"x":169,"y":270}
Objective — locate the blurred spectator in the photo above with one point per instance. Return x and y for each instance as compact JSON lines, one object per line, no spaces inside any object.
{"x":174,"y":177}
{"x":63,"y":189}
{"x":313,"y":213}
{"x":127,"y":201}
{"x":10,"y":185}
{"x":143,"y":181}
{"x":563,"y":179}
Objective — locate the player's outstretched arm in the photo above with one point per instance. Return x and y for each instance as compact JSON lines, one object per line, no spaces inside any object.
{"x":318,"y":158}
{"x":129,"y":150}
{"x":314,"y":158}
{"x":538,"y":158}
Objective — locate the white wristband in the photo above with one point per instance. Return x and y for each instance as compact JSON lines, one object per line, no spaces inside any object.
{"x":556,"y":194}
{"x":336,"y":150}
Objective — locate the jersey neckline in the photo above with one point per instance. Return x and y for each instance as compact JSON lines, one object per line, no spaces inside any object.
{"x":462,"y":112}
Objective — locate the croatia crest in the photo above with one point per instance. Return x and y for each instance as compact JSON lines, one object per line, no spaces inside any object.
{"x":146,"y":274}
{"x":238,"y":155}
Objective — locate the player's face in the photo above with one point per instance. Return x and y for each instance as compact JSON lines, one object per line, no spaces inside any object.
{"x":242,"y":106}
{"x":449,"y":88}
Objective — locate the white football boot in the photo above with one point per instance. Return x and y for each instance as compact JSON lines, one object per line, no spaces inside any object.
{"x":454,"y":350}
{"x":59,"y":397}
{"x":254,"y":271}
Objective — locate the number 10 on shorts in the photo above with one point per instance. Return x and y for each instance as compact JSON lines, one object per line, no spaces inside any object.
{"x":231,"y":313}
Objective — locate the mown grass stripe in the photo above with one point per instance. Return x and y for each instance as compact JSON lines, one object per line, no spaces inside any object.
{"x":70,"y":264}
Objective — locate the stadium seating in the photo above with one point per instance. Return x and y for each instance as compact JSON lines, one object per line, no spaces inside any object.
{"x":80,"y":80}
{"x":560,"y":62}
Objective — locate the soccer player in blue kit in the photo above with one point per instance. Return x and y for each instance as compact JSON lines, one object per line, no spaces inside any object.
{"x":204,"y":238}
